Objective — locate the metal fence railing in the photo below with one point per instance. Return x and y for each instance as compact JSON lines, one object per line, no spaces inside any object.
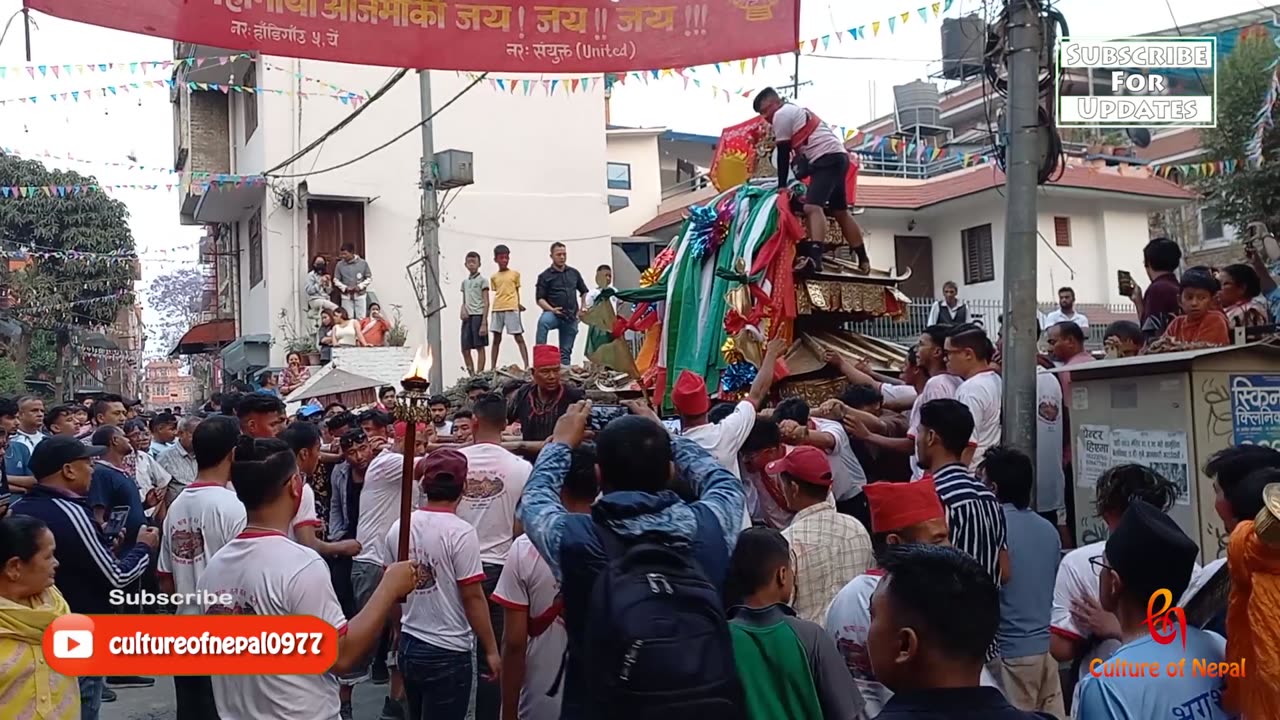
{"x":987,"y":313}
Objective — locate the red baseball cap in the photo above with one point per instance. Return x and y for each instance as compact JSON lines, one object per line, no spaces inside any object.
{"x":443,"y":469}
{"x":805,"y":464}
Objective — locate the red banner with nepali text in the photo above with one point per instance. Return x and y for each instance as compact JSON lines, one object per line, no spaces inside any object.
{"x":535,"y":36}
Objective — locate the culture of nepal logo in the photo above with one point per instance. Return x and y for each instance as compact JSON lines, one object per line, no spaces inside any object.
{"x":1166,"y":625}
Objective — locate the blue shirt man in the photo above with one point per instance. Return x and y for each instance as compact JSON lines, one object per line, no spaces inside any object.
{"x":1026,"y":601}
{"x":707,"y":528}
{"x":17,"y":460}
{"x":1152,"y":675}
{"x":112,"y":488}
{"x":1186,"y":694}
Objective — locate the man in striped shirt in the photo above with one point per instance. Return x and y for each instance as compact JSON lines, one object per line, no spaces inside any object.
{"x":973,"y":513}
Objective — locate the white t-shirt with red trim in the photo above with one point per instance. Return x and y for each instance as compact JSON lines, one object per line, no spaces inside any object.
{"x":495,"y":482}
{"x":771,"y":506}
{"x":379,"y":505}
{"x":266,"y":573}
{"x":983,"y":394}
{"x":938,"y":387}
{"x":848,"y":622}
{"x":448,"y":551}
{"x":527,"y":584}
{"x":306,"y":514}
{"x":203,"y":518}
{"x":847,"y":475}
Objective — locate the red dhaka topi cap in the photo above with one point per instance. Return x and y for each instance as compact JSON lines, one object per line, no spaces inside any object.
{"x":402,"y":427}
{"x":690,"y":395}
{"x":806,"y":464}
{"x":545,"y":356}
{"x":896,"y":506}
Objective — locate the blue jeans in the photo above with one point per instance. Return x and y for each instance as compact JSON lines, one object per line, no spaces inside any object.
{"x":437,"y":682}
{"x":566,"y":329}
{"x":91,"y":696}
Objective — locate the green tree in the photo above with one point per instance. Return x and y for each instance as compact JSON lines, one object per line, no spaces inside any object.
{"x":1248,"y":194}
{"x":56,"y":290}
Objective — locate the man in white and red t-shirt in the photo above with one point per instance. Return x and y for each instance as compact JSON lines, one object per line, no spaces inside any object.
{"x":263,"y":572}
{"x":205,"y":517}
{"x":495,"y":481}
{"x":763,"y":446}
{"x":379,"y":510}
{"x":821,"y":160}
{"x":304,"y":439}
{"x":969,"y":352}
{"x":446,"y":611}
{"x":799,"y":427}
{"x":533,"y":637}
{"x":900,"y":513}
{"x":1079,"y":629}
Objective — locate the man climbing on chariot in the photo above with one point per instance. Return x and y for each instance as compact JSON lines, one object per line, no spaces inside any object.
{"x":821,"y":159}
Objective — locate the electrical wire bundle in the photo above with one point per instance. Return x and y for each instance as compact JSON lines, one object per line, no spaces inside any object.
{"x":1053,"y":25}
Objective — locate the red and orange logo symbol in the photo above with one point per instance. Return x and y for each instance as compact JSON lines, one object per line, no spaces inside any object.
{"x":1167,"y":623}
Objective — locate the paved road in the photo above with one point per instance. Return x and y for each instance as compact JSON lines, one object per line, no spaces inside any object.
{"x":156,"y":703}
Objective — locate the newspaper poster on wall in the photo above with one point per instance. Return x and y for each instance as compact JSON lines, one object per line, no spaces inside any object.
{"x":1164,"y":451}
{"x":1255,"y":410}
{"x":1093,"y":454}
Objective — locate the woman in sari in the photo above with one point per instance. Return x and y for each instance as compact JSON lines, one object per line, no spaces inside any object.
{"x":29,"y":602}
{"x":294,"y":375}
{"x":1241,"y":296}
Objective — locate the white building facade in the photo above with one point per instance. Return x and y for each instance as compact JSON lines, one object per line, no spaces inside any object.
{"x":538,"y":166}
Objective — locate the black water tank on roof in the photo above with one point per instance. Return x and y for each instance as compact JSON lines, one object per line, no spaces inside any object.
{"x":963,"y":42}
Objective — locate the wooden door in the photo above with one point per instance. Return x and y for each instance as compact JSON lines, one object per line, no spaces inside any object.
{"x":915,"y":252}
{"x":330,"y":225}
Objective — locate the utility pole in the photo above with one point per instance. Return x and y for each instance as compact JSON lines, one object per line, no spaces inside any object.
{"x":26,"y":30}
{"x":430,"y":234}
{"x":1022,"y":118}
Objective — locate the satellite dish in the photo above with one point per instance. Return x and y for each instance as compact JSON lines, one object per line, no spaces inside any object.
{"x":1141,"y":137}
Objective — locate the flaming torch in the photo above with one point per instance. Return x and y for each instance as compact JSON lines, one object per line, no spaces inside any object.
{"x":412,"y":408}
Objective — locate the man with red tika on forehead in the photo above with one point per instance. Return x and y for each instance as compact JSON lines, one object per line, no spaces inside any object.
{"x":901,"y":513}
{"x":538,"y":405}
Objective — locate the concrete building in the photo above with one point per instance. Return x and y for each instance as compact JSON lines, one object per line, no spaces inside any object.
{"x":164,"y":386}
{"x":529,"y":191}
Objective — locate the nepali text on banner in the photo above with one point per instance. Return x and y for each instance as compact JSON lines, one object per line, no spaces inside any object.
{"x":537,"y":36}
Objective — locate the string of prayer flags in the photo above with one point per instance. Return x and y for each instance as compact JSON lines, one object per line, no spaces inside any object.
{"x":134,"y":67}
{"x":924,"y":153}
{"x":1263,"y":120}
{"x":32,"y":191}
{"x":549,"y":86}
{"x":1199,"y":169}
{"x":44,"y":155}
{"x":125,"y":88}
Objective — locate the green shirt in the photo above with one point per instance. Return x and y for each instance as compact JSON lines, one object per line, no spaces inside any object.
{"x":789,"y":668}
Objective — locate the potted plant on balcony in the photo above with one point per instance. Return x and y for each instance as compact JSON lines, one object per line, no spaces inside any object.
{"x":302,"y":343}
{"x":397,"y":335}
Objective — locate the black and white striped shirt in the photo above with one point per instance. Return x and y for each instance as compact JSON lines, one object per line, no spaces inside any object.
{"x":974,"y":516}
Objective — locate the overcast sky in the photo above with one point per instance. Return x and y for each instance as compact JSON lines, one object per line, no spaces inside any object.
{"x":851,"y":86}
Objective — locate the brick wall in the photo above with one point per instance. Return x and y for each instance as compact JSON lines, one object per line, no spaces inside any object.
{"x":208,"y":141}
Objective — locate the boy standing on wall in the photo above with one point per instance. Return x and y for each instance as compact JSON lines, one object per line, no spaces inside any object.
{"x":474,"y":314}
{"x":505,"y":285}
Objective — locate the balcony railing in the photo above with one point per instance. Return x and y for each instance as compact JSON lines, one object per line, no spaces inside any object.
{"x":988,"y":312}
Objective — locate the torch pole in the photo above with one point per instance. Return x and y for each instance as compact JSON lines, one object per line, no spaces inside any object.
{"x":406,"y":488}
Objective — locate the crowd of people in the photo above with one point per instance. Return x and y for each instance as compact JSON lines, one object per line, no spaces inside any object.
{"x":876,"y":555}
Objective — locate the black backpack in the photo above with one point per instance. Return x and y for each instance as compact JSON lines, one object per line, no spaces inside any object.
{"x":657,"y":642}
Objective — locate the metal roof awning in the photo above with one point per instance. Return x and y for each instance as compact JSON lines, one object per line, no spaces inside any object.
{"x":205,"y":338}
{"x":334,"y":381}
{"x":246,"y":352}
